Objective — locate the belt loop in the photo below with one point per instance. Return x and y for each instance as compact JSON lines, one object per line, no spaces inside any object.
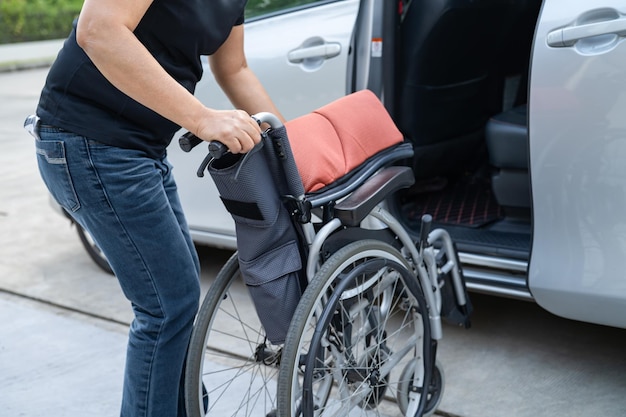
{"x":31,"y":124}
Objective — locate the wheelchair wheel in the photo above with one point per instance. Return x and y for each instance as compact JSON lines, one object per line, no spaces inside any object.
{"x":435,"y":390}
{"x":231,"y":369}
{"x":361,"y":322}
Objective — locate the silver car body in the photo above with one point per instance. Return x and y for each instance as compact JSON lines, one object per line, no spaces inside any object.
{"x":578,"y":160}
{"x":577,"y":145}
{"x":301,"y":59}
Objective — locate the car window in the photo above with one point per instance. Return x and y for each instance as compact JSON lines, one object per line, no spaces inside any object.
{"x":263,"y":8}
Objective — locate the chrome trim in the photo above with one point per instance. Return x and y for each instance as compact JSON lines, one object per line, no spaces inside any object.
{"x":501,"y":279}
{"x":491,"y":262}
{"x":504,"y":292}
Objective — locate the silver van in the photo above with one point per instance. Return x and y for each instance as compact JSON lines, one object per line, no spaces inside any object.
{"x":516,"y":111}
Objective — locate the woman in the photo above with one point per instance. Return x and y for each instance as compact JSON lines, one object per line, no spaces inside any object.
{"x":120,"y":88}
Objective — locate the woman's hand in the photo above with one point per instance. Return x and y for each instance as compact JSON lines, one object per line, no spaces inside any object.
{"x":234,"y":128}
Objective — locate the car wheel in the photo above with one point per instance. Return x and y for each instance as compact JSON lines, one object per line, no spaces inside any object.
{"x":93,"y":250}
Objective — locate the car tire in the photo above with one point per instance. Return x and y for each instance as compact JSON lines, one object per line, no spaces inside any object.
{"x":93,"y":250}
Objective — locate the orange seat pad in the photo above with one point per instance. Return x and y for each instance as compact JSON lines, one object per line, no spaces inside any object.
{"x":338,"y":137}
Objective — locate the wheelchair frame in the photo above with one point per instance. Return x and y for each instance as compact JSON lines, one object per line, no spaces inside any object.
{"x":352,"y":202}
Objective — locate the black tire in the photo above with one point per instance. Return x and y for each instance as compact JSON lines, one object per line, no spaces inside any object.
{"x":362,"y":318}
{"x":435,"y":390}
{"x":93,"y":250}
{"x":231,"y":370}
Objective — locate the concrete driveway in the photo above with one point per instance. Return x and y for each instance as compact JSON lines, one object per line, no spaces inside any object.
{"x":64,"y":322}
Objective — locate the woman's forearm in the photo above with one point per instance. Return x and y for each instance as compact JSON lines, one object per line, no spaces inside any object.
{"x":246,"y":92}
{"x":105,"y":32}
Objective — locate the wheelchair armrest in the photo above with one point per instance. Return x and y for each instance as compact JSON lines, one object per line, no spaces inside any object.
{"x":362,"y":201}
{"x":356,"y":178}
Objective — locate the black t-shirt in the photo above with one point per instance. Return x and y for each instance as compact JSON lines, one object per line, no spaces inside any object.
{"x":77,"y":97}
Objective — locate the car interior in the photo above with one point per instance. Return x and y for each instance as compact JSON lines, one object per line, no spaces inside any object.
{"x":460,"y":96}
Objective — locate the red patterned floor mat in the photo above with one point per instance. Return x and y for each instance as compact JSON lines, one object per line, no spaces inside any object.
{"x":468,"y":202}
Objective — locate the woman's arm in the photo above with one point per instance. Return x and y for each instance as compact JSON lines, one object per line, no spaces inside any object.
{"x":237,"y":80}
{"x":105,"y":32}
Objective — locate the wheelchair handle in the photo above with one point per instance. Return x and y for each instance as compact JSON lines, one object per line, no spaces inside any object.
{"x":217,"y":149}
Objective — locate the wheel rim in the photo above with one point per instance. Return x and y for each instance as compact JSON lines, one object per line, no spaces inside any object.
{"x":388,"y":381}
{"x":228,"y":358}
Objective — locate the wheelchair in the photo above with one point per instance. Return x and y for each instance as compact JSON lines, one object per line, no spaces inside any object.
{"x":333,"y":309}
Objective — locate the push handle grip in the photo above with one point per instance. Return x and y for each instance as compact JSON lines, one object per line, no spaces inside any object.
{"x":188,"y":141}
{"x":217,"y":149}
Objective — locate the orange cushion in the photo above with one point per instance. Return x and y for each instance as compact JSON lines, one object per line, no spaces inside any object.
{"x":334,"y":139}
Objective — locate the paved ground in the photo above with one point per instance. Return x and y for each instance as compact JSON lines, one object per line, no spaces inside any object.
{"x":20,"y":56}
{"x":64,"y":322}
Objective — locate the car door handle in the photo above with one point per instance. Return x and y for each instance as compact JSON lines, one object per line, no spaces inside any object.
{"x":324,"y":51}
{"x":568,"y":36}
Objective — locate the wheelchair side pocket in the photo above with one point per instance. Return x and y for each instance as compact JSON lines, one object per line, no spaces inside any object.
{"x":274,"y":285}
{"x":267,"y":241}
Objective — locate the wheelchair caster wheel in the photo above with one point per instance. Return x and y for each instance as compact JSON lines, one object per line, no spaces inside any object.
{"x":435,"y":390}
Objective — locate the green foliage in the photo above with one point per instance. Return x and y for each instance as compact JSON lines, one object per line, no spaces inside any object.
{"x":256,"y":8}
{"x":30,"y":20}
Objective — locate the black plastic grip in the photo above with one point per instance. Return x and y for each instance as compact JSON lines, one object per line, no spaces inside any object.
{"x":188,"y":141}
{"x":426,"y":225}
{"x":217,"y":149}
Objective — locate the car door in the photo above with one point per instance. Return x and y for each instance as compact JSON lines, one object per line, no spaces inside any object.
{"x":299,"y":51}
{"x":577,"y":134}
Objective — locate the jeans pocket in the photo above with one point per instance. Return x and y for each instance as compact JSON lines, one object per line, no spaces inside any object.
{"x":55,"y":173}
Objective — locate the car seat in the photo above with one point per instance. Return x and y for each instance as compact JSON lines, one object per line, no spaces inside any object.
{"x":449,"y":83}
{"x":507,"y":133}
{"x":507,"y":141}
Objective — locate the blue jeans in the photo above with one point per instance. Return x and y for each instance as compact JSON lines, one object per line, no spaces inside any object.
{"x":129,"y":204}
